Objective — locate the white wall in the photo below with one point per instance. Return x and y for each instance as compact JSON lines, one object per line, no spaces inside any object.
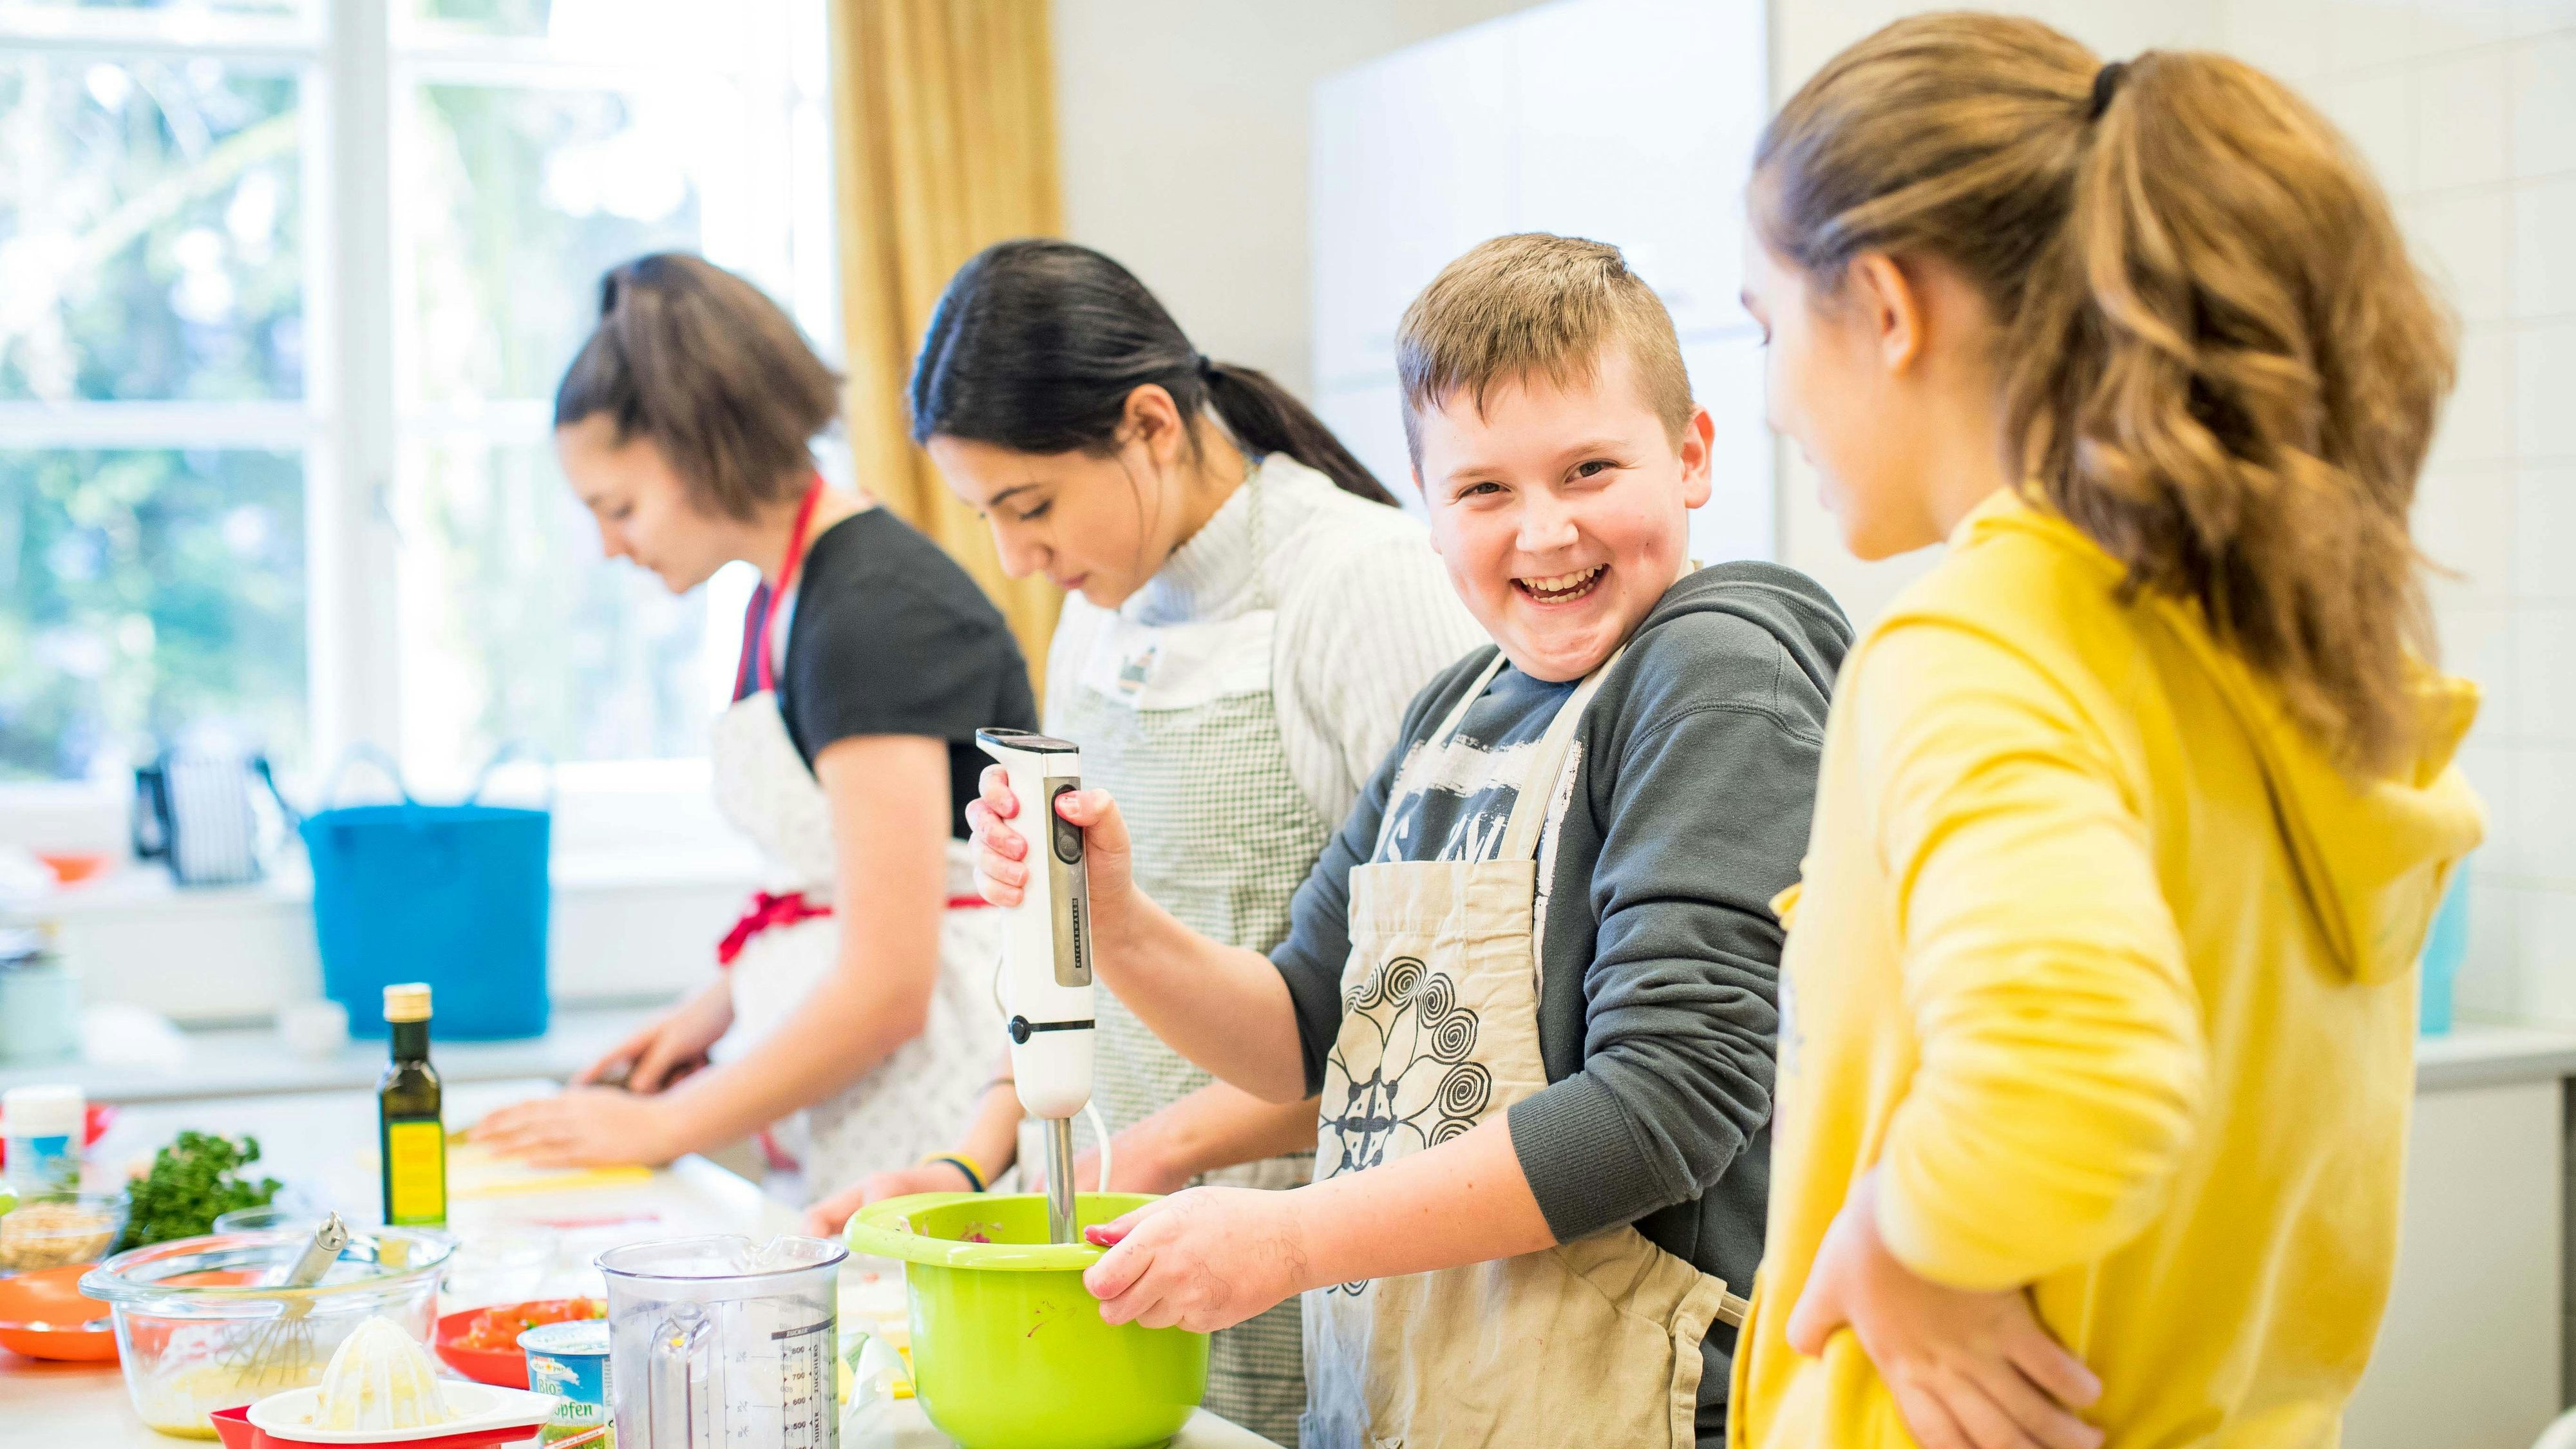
{"x":1183,"y":128}
{"x":2467,"y":109}
{"x":1422,"y":154}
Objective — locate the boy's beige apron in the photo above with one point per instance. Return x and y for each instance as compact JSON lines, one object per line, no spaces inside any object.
{"x":1178,"y":722}
{"x":1588,"y":1343}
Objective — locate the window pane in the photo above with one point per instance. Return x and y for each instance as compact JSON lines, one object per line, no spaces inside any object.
{"x":175,"y":7}
{"x":149,"y":231}
{"x":521,"y":199}
{"x":488,"y":17}
{"x":514,"y":626}
{"x":697,"y":35}
{"x":143,"y":593}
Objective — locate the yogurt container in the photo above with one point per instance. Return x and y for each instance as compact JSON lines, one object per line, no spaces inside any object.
{"x":570,"y":1360}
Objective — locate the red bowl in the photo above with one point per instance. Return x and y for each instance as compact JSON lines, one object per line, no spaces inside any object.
{"x":502,"y":1368}
{"x":234,"y":1428}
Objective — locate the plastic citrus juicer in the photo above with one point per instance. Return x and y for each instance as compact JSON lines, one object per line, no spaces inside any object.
{"x":1009,"y":1350}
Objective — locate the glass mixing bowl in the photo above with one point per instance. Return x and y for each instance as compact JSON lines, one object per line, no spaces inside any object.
{"x":201,"y":1324}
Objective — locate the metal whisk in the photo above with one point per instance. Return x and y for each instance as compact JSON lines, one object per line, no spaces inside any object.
{"x":279,"y":1352}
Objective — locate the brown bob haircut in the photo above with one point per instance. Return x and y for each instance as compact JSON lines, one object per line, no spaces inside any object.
{"x":713,"y":372}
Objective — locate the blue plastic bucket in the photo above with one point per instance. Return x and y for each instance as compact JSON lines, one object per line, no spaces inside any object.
{"x":453,"y":895}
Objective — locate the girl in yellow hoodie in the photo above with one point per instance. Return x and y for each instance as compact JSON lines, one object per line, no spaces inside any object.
{"x":2098,"y":1008}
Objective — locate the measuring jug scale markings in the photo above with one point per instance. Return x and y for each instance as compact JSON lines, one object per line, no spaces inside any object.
{"x":724,"y":1343}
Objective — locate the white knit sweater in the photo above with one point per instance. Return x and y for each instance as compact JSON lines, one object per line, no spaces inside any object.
{"x":1366,"y":617}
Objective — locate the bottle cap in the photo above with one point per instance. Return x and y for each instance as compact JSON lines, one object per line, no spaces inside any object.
{"x":42,"y":1111}
{"x":407,"y":1002}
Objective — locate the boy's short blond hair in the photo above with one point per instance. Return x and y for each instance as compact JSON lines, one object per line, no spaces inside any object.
{"x":1535,"y":304}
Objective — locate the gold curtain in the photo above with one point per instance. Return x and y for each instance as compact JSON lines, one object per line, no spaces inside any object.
{"x":944,"y":131}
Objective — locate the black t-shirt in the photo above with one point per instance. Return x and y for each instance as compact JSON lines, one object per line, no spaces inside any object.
{"x":888,"y":636}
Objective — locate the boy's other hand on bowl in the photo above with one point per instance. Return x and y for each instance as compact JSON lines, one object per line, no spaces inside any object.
{"x":1201,"y":1260}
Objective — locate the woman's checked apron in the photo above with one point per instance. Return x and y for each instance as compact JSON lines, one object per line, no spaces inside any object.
{"x":1177,"y":722}
{"x":918,"y":1100}
{"x":1588,"y":1343}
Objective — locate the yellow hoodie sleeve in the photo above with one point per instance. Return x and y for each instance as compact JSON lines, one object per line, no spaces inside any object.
{"x":2062,"y":1064}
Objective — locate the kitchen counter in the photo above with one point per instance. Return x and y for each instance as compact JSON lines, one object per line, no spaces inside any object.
{"x":2478,"y":1054}
{"x":255,"y":1061}
{"x":321,"y":1143}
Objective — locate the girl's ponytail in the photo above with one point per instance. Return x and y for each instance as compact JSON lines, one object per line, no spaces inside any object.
{"x":1266,"y":418}
{"x":2217,"y":359}
{"x":1036,"y":344}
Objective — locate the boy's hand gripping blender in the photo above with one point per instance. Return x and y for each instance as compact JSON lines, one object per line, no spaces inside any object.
{"x":1046,"y":956}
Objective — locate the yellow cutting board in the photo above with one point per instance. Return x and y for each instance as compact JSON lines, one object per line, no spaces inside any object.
{"x":473,"y":1172}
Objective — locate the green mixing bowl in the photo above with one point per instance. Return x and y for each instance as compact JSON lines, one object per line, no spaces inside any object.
{"x":1008,"y":1348}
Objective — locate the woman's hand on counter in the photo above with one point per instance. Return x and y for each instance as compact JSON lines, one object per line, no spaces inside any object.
{"x":584,"y":1127}
{"x":1204,"y":1259}
{"x":670,"y":1046}
{"x":1968,"y":1370}
{"x":825,"y":1219}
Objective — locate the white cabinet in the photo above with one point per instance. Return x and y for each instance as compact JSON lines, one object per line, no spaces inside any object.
{"x":1628,"y":121}
{"x":2469,"y":1355}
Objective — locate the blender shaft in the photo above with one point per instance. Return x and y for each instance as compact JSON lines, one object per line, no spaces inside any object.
{"x":1059,"y":1171}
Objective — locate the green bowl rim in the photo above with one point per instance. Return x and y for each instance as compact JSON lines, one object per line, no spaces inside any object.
{"x":879,"y":1230}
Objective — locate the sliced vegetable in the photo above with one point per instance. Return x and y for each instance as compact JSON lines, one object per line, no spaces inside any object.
{"x":499,"y":1327}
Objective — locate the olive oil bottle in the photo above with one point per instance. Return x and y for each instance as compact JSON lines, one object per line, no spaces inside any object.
{"x":412,"y":1137}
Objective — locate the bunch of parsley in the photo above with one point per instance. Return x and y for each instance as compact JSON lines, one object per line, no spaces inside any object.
{"x":194,"y":1180}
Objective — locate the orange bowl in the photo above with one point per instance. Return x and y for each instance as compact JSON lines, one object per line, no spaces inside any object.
{"x":73,"y":868}
{"x":43,"y":1315}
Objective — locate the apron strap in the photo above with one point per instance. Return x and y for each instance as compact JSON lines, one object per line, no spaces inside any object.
{"x":1538,"y":787}
{"x":763,"y":670}
{"x":1439,"y":736}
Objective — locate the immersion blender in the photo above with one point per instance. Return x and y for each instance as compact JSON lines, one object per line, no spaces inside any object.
{"x":1046,"y":956}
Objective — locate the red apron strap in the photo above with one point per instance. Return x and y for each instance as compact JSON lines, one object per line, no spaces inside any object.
{"x":761,"y":668}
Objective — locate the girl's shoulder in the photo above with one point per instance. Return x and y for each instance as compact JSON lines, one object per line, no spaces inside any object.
{"x":1352,"y":567}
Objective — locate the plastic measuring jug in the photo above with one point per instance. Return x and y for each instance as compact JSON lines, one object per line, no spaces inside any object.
{"x":724,"y":1343}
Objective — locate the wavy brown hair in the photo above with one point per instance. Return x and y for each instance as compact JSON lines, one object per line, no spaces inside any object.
{"x":2217,"y":359}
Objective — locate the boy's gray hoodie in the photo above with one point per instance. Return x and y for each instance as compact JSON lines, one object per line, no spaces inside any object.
{"x":1658,"y":1013}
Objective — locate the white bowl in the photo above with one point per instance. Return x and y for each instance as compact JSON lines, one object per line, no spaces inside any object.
{"x":471,"y":1408}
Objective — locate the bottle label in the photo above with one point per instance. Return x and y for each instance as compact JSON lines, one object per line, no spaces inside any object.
{"x":415,"y":1174}
{"x":44,"y":1164}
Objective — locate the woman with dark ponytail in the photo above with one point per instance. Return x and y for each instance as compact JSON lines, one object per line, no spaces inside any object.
{"x":1250,"y":617}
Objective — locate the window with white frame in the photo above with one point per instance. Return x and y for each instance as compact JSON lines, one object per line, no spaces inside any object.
{"x":285,"y":288}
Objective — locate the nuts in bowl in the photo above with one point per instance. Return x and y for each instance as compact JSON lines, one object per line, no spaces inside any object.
{"x":54,"y":1229}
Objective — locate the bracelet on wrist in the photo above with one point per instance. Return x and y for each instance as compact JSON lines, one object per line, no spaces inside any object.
{"x":976,"y":1177}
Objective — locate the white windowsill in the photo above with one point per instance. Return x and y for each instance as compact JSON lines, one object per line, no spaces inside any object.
{"x":142,"y":888}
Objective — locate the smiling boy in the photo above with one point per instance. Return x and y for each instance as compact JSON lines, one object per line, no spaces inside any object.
{"x":1533,"y":977}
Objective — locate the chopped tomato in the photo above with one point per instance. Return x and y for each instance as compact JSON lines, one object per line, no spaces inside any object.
{"x":499,"y":1328}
